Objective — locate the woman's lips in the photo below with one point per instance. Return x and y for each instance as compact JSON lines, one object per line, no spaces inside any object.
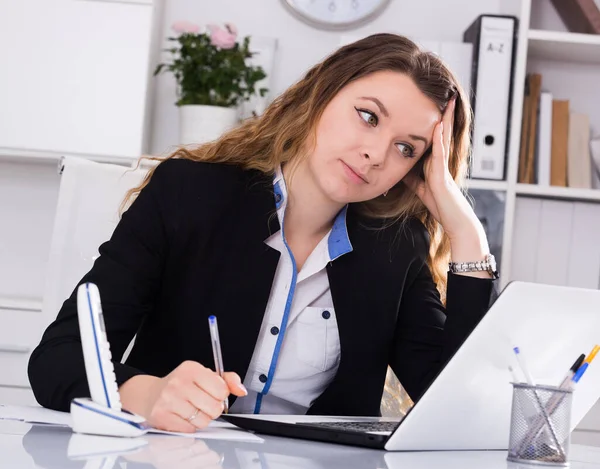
{"x":354,"y":175}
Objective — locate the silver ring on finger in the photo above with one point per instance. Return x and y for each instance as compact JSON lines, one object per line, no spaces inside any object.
{"x":194,"y":415}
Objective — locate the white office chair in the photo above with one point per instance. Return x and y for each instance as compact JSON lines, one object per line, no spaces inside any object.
{"x":87,"y":213}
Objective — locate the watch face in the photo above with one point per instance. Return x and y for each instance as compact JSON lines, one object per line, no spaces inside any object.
{"x":336,"y":14}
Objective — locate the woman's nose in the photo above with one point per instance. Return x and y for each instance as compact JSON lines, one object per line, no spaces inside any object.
{"x":375,"y":158}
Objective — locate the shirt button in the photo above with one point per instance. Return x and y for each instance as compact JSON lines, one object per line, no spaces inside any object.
{"x":274,"y":330}
{"x":277,"y":198}
{"x":326,"y":314}
{"x":262,"y":378}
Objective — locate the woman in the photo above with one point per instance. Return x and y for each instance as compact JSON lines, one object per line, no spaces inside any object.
{"x":313,"y":234}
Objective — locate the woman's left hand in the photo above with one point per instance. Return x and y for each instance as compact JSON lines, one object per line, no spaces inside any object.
{"x":438,"y":191}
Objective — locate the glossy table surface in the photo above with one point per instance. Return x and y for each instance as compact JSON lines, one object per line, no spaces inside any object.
{"x":31,"y":446}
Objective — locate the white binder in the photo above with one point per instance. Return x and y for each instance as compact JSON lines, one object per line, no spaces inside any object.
{"x":494,"y":43}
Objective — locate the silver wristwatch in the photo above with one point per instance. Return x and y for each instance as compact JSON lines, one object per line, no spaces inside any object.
{"x":486,"y":265}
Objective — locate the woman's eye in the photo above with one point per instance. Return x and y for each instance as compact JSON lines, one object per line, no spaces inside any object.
{"x":406,"y":150}
{"x":368,"y":116}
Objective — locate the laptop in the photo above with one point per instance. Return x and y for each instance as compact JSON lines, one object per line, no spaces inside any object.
{"x":468,"y":405}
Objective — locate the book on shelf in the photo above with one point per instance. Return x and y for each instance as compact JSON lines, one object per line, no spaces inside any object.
{"x":579,"y":16}
{"x":579,"y":168}
{"x":535,"y":90}
{"x":524,"y":133}
{"x":543,"y":154}
{"x":555,"y":147}
{"x":560,"y":139}
{"x":533,"y":86}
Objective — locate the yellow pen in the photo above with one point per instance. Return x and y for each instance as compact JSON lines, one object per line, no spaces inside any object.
{"x":584,"y":366}
{"x":592,"y":354}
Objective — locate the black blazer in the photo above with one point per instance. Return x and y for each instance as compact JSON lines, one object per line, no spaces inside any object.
{"x":192,"y":245}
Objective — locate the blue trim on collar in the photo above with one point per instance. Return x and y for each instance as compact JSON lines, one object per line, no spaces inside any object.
{"x":282,"y":328}
{"x":338,"y":245}
{"x":278,"y":195}
{"x":339,"y":241}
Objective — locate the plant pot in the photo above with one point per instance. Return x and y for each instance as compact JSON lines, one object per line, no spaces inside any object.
{"x":201,"y":123}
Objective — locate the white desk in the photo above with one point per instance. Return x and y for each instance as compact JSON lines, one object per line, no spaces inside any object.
{"x":27,"y":446}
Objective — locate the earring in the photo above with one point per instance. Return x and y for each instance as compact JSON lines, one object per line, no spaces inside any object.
{"x":385,"y":193}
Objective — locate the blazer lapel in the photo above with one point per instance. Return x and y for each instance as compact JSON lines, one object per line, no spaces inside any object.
{"x":362,"y":297}
{"x":249,"y":275}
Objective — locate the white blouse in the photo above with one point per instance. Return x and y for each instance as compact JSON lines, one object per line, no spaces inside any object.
{"x":298,"y":348}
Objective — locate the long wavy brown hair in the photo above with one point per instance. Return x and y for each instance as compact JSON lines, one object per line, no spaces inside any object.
{"x":286,"y":129}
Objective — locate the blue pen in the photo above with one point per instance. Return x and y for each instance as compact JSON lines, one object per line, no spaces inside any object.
{"x":523,"y":366}
{"x":217,"y":355}
{"x":557,"y":398}
{"x":584,"y":367}
{"x":566,"y":382}
{"x":579,"y":373}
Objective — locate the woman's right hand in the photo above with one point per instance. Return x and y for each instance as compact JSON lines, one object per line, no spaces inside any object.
{"x":168,"y":403}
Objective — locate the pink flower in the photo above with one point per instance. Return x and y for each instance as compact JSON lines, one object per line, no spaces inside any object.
{"x":231,"y":28}
{"x":183,"y":27}
{"x":221,"y":38}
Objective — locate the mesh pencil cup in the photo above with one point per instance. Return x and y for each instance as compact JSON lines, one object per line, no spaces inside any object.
{"x":540,"y":425}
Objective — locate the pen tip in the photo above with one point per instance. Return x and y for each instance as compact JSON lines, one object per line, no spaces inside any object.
{"x":516,"y":349}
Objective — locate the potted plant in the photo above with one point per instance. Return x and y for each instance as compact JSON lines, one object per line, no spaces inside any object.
{"x":213,"y":77}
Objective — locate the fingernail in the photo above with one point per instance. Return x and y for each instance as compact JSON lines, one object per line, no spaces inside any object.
{"x":243,"y":388}
{"x":441,"y":126}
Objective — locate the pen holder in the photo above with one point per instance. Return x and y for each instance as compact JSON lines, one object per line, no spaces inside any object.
{"x":540,"y":426}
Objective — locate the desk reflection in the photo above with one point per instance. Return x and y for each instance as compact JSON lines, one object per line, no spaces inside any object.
{"x":54,"y":448}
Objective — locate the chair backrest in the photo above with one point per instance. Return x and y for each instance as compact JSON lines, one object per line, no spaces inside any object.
{"x":87,"y":213}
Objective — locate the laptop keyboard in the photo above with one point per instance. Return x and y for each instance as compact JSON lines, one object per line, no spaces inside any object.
{"x":388,"y":427}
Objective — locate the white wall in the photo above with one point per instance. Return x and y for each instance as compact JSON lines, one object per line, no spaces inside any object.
{"x":29,"y":188}
{"x":300,"y":45}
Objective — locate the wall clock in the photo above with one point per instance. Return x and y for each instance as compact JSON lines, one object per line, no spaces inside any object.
{"x":336,"y":14}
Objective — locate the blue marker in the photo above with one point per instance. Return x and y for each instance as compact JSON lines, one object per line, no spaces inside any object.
{"x":580,"y":372}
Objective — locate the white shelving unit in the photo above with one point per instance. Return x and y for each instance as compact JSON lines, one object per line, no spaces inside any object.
{"x":561,"y":49}
{"x":561,"y":193}
{"x":568,"y":47}
{"x":20,"y":155}
{"x":557,"y":241}
{"x":482,"y":184}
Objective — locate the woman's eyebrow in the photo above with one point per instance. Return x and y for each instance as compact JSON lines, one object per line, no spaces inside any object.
{"x":418,"y":137}
{"x":380,"y":105}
